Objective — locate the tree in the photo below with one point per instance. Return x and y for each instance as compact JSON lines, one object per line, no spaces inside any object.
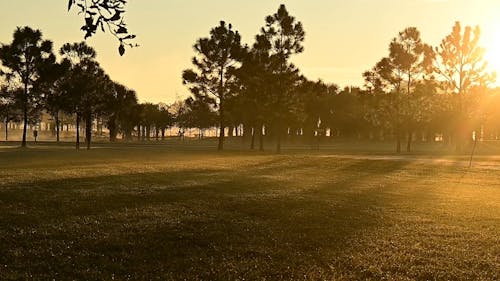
{"x":177,"y":111}
{"x":254,"y":86}
{"x":197,"y":114}
{"x":10,"y":107}
{"x":413,"y":58}
{"x":428,"y":106}
{"x":347,"y":116}
{"x":490,"y":107}
{"x":75,"y":54}
{"x":85,"y":87}
{"x":460,"y":62}
{"x":386,"y":77}
{"x":216,"y":56}
{"x":286,"y":37}
{"x":24,"y":60}
{"x":164,"y":119}
{"x":51,"y":87}
{"x":316,"y":100}
{"x":105,"y":14}
{"x":398,"y":74}
{"x":149,"y":118}
{"x":119,"y":108}
{"x":92,"y":102}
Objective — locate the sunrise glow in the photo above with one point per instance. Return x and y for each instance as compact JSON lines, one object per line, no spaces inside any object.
{"x":491,"y":43}
{"x":249,"y":140}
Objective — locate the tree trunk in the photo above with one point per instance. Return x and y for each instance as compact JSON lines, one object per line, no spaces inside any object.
{"x":163,"y":134}
{"x":252,"y":143}
{"x":246,"y":132}
{"x":221,"y":135}
{"x":398,"y":139}
{"x":113,"y":132}
{"x":7,"y":127}
{"x":410,"y":139}
{"x":128,"y":134}
{"x":25,"y":113}
{"x":261,"y":137}
{"x":410,"y":134}
{"x":221,"y":111}
{"x":398,"y":142}
{"x":278,"y":136}
{"x":58,"y":124}
{"x":460,"y":137}
{"x":88,"y":130}
{"x":77,"y":131}
{"x":99,"y":127}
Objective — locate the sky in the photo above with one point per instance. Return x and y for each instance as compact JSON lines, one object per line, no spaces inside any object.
{"x":343,"y":37}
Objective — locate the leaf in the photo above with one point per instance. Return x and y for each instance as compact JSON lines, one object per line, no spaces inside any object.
{"x":70,"y":4}
{"x":121,"y":50}
{"x":116,"y":16}
{"x":122,"y":30}
{"x":89,"y":21}
{"x":131,"y":36}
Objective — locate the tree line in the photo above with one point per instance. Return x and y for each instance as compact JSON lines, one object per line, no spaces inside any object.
{"x":35,"y":82}
{"x":416,"y":93}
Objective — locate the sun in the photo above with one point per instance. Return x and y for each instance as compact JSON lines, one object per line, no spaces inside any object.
{"x":491,"y":44}
{"x":492,"y":55}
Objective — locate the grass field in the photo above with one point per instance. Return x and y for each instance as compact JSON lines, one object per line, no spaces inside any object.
{"x":153,"y":213}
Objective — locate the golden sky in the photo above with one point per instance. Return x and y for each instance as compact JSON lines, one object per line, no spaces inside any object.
{"x":343,"y":37}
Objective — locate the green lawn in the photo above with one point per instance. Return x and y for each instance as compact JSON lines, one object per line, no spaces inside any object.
{"x":150,"y":213}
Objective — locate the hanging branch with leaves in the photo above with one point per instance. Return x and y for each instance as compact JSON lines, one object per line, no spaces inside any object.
{"x":105,"y":14}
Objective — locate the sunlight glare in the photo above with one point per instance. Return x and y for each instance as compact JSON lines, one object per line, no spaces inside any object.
{"x":492,"y":46}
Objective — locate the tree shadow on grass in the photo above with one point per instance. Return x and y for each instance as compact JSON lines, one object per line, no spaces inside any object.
{"x":200,"y":224}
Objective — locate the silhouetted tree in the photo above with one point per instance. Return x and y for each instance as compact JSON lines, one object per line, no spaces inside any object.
{"x":197,"y":114}
{"x":98,"y":86}
{"x":85,"y":87}
{"x":348,"y":117}
{"x":10,"y":106}
{"x":119,"y":108}
{"x":52,"y":88}
{"x":177,"y":111}
{"x":75,"y":54}
{"x":24,"y":60}
{"x":164,"y":119}
{"x":460,"y":62}
{"x":316,"y":99}
{"x":254,"y":85}
{"x":216,"y":57}
{"x":285,"y":36}
{"x":412,"y":57}
{"x":388,"y":74}
{"x":149,"y":117}
{"x":429,"y":106}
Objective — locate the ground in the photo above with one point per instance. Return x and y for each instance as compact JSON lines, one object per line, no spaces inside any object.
{"x":160,"y":213}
